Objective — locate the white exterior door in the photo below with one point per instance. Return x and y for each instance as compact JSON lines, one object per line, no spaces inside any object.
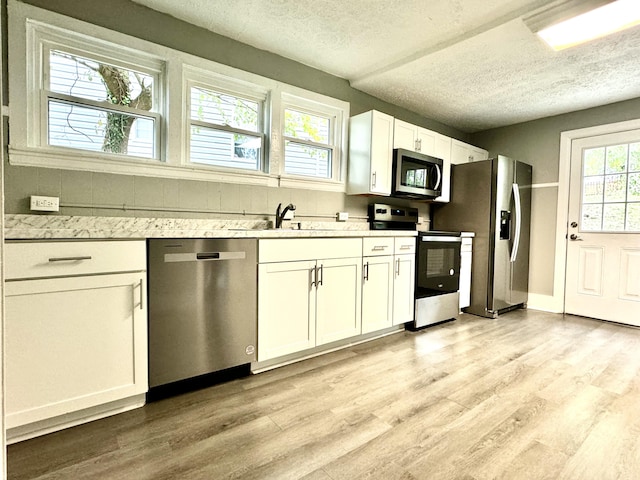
{"x":603,"y":249}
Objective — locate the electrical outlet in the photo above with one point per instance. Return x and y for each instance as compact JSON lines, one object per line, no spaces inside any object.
{"x":45,"y":204}
{"x":342,"y":216}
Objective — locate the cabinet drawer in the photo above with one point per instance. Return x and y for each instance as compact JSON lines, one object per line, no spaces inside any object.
{"x":377,"y":246}
{"x":297,"y":249}
{"x":54,"y":259}
{"x":405,"y":245}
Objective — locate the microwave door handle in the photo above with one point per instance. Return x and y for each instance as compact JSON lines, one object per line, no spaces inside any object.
{"x":516,"y":241}
{"x":439,"y":177}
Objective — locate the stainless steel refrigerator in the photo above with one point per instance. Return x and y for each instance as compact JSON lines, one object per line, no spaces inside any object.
{"x":492,"y":198}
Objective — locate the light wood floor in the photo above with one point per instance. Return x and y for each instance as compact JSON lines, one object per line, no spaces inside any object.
{"x":527,"y":396}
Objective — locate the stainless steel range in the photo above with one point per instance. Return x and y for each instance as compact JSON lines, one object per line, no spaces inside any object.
{"x":437,"y":277}
{"x":437,"y":264}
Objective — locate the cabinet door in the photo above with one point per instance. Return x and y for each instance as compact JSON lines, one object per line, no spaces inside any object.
{"x":465,"y":272}
{"x":426,"y":141}
{"x":73,"y":343}
{"x":404,"y":135}
{"x":443,"y":151}
{"x":338,"y":299}
{"x":403,"y":288}
{"x":478,"y":154}
{"x":377,"y":293}
{"x":381,"y":153}
{"x":286,"y":308}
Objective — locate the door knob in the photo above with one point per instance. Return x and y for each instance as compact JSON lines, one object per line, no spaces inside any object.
{"x":574,"y":237}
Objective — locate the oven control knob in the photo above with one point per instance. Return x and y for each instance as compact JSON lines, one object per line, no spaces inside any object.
{"x":452,"y":271}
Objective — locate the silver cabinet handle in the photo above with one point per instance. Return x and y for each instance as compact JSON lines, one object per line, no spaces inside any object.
{"x":70,"y":259}
{"x":398,"y":267}
{"x":321,"y":276}
{"x":141,"y":294}
{"x":366,"y":272}
{"x":314,"y":277}
{"x":374,"y":179}
{"x":377,"y":248}
{"x":405,"y":247}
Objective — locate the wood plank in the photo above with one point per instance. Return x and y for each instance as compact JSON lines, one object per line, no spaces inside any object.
{"x":528,"y":395}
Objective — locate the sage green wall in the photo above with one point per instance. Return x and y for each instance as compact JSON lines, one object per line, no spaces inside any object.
{"x":163,"y":195}
{"x":538,"y":143}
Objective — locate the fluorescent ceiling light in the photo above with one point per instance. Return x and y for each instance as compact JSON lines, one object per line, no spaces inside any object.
{"x":610,"y":18}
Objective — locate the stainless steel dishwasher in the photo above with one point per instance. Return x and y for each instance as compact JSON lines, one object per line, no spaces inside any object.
{"x":202,"y":306}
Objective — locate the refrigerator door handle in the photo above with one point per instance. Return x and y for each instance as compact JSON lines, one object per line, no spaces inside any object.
{"x":516,"y":241}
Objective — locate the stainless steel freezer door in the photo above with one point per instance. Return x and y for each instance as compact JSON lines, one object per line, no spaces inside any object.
{"x":202,"y":306}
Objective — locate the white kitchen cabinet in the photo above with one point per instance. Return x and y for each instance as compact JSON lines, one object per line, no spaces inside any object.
{"x":338,"y":300}
{"x":404,"y":262}
{"x":309,"y":293}
{"x":75,"y":333}
{"x":370,"y":153}
{"x":286,"y":308}
{"x":377,"y":284}
{"x":465,"y":271}
{"x":414,"y":138}
{"x":463,"y":152}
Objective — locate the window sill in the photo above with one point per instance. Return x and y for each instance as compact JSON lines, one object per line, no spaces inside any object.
{"x":49,"y":158}
{"x":96,"y":162}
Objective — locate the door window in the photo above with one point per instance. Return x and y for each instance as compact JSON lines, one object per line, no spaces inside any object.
{"x":611,"y":188}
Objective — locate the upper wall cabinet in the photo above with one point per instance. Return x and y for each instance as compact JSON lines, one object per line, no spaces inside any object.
{"x":418,"y":139}
{"x":463,"y":152}
{"x":370,"y":153}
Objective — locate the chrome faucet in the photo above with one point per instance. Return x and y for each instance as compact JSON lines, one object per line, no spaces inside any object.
{"x":280,"y":215}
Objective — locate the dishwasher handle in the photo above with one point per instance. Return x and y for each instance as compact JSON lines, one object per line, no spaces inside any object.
{"x":203,"y":256}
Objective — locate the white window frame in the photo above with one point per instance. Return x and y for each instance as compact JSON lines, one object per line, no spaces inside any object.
{"x":199,"y":78}
{"x":30,"y":41}
{"x":29,"y":26}
{"x":337,"y":112}
{"x":70,"y":46}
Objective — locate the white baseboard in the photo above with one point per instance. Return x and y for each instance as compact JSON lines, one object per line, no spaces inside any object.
{"x":545,"y":303}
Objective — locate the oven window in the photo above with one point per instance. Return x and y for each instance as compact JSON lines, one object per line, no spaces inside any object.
{"x":438,"y":267}
{"x":440,"y":261}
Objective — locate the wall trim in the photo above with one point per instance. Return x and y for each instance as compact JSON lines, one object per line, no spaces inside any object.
{"x":545,"y":303}
{"x":562,"y":214}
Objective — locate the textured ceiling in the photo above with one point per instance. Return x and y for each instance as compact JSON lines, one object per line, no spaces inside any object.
{"x":471,"y":64}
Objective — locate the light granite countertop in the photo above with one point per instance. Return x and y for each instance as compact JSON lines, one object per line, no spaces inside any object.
{"x":60,"y":227}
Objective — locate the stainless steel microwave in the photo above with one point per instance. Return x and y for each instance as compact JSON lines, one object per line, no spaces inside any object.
{"x":416,"y":175}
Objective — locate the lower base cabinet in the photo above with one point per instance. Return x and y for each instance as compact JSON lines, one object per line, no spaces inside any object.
{"x":72,"y":343}
{"x":303,"y":303}
{"x":377,"y":300}
{"x":403,"y":288}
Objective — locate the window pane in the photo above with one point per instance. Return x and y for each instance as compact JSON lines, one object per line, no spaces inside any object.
{"x":592,"y":189}
{"x":304,"y":126}
{"x":222,"y":109}
{"x":593,"y":161}
{"x":224,"y":149}
{"x":633,"y":192}
{"x":87,"y":128}
{"x":615,"y":188}
{"x":613,"y":217}
{"x":634,"y":157}
{"x":633,"y":217}
{"x":616,"y":159}
{"x":591,"y":218}
{"x":305,"y":160}
{"x":86,"y":78}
